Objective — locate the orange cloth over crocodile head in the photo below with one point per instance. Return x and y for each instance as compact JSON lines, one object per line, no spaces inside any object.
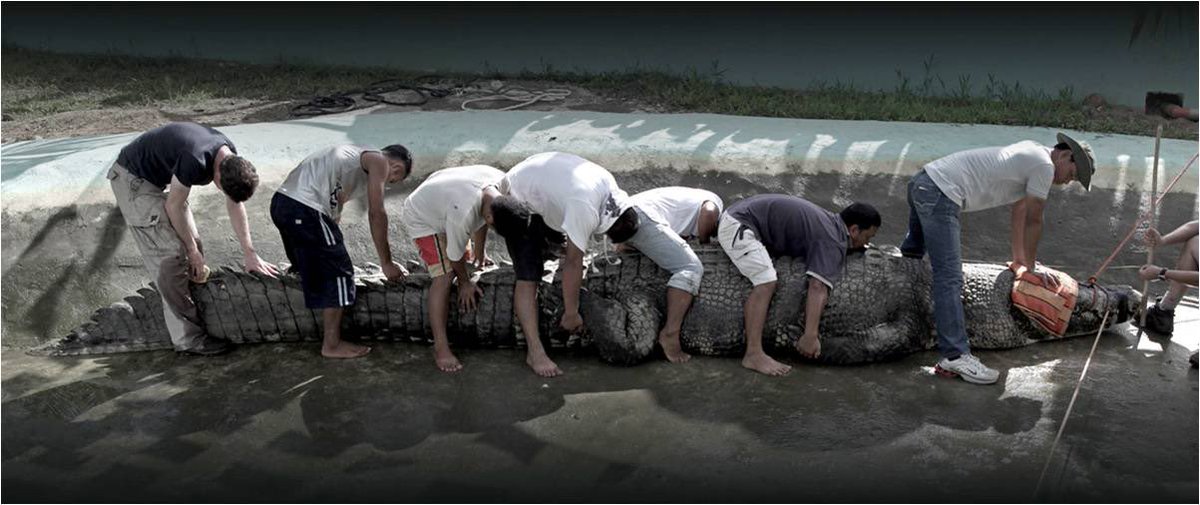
{"x":1048,"y":308}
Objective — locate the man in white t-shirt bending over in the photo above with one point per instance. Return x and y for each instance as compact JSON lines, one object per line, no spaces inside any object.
{"x":445,"y":215}
{"x":1019,"y":174}
{"x":307,"y":208}
{"x":552,"y":193}
{"x":691,"y":212}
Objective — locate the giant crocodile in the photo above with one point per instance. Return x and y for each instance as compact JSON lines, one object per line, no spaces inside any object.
{"x":880,"y":310}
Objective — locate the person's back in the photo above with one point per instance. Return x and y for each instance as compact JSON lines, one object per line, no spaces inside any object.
{"x":184,"y":150}
{"x":448,"y":201}
{"x":328,"y":178}
{"x":789,"y":225}
{"x":677,"y":206}
{"x":978,"y":179}
{"x":573,"y":195}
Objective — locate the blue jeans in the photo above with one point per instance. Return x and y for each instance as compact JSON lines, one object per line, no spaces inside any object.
{"x":933,"y":227}
{"x":663,"y":246}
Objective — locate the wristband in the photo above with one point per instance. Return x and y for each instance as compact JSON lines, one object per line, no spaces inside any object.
{"x":1162,"y":275}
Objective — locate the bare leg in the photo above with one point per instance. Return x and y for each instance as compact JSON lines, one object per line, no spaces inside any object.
{"x":334,"y":346}
{"x":1186,"y":261}
{"x":439,"y":298}
{"x":756,"y":318}
{"x":525,"y":303}
{"x":678,"y":302}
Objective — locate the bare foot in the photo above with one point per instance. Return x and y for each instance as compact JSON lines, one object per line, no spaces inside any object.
{"x":446,"y":361}
{"x":761,"y":363}
{"x":541,"y":365}
{"x":345,"y":350}
{"x":671,"y":347}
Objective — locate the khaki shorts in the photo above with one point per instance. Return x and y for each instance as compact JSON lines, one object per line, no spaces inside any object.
{"x":745,"y":251}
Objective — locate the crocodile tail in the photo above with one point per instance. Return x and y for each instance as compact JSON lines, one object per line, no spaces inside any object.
{"x":133,"y":324}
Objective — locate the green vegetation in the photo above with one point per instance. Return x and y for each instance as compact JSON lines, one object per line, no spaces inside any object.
{"x":37,"y":83}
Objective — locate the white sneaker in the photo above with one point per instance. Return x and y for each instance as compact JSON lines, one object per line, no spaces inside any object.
{"x":969,"y":368}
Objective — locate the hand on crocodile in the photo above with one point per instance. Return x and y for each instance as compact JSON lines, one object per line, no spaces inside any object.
{"x":572,"y":322}
{"x":809,"y":345}
{"x":393,"y":271}
{"x":253,"y":263}
{"x":482,"y":261}
{"x":468,"y":292}
{"x":1048,"y":279}
{"x":197,"y":270}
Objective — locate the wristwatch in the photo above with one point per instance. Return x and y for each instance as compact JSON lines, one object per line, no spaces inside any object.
{"x":1162,"y":275}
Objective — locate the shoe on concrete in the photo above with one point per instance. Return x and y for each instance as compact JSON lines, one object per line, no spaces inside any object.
{"x":1160,"y":321}
{"x":208,"y":346}
{"x":969,"y":368}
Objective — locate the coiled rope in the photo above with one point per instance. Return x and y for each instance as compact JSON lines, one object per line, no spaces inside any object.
{"x":523,"y":96}
{"x":418,"y":92}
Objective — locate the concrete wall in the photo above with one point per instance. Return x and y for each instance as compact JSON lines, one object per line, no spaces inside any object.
{"x":1084,"y":46}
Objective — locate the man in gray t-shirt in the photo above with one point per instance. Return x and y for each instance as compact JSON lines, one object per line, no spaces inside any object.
{"x":1019,"y":174}
{"x":762,"y":227}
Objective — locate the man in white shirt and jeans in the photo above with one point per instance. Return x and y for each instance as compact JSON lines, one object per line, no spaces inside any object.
{"x":445,"y":215}
{"x":1019,"y":174}
{"x":553,"y":193}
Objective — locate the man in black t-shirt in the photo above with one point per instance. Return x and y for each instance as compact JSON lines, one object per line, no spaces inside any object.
{"x":762,"y":227}
{"x":179,"y":156}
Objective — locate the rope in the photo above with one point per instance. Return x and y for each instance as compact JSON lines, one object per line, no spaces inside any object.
{"x":1139,"y":222}
{"x":419,"y":91}
{"x":1070,"y":406}
{"x":522,"y":95}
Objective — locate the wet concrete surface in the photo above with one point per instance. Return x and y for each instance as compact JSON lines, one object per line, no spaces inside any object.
{"x":279,"y":423}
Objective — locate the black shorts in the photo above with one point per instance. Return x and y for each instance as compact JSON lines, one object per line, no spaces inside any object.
{"x":529,"y":253}
{"x":314,"y":245}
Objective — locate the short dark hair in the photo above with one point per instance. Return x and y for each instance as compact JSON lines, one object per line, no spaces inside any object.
{"x":861,"y":214}
{"x":399,"y":152}
{"x":514,"y":220}
{"x":624,"y":227}
{"x":1065,"y":147}
{"x":511,"y":217}
{"x":239,"y":179}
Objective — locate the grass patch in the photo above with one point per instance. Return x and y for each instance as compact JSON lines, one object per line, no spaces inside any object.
{"x":39,"y":83}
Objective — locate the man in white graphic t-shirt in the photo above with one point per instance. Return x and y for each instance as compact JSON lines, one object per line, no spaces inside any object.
{"x":1019,"y":174}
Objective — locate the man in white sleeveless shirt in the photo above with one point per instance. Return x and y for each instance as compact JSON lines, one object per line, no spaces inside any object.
{"x":446,"y":217}
{"x":1019,"y":174}
{"x":307,"y":209}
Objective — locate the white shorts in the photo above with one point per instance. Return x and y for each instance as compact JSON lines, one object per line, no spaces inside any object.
{"x":747,"y":253}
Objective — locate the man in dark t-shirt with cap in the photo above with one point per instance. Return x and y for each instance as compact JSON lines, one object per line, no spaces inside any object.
{"x":762,"y":227}
{"x":178,"y":156}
